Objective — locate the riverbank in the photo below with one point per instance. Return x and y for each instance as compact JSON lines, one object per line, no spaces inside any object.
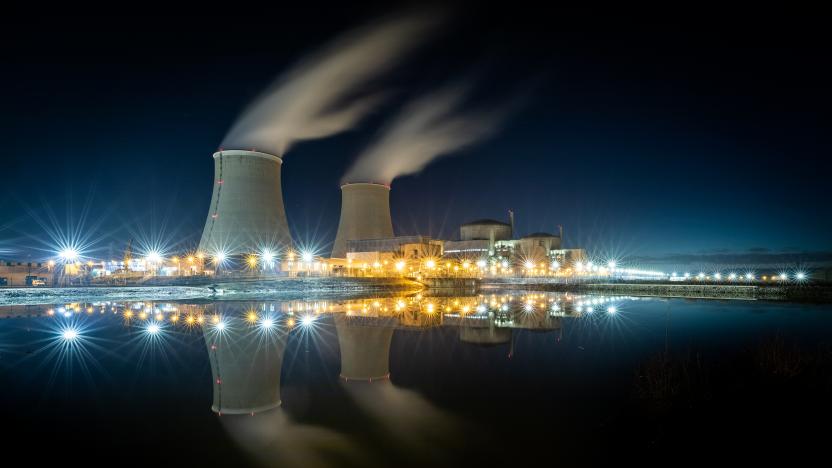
{"x":278,"y":289}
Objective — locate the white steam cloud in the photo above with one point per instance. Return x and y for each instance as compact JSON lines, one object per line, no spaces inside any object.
{"x":324,"y":94}
{"x":425,"y":129}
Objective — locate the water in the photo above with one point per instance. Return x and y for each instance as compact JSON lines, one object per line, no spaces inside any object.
{"x":414,"y":381}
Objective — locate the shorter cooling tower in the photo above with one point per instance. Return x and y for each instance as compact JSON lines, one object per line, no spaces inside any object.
{"x":245,"y":366}
{"x":365,"y":214}
{"x":365,"y":347}
{"x":246,"y":213}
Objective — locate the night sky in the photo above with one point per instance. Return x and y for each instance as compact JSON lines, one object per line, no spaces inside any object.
{"x":670,"y":135}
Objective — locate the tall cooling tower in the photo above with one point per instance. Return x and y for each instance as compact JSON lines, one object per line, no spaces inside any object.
{"x":365,"y":214}
{"x":245,"y":366}
{"x":246,"y":213}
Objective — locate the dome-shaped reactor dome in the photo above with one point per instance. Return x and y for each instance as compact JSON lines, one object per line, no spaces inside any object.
{"x":485,"y":229}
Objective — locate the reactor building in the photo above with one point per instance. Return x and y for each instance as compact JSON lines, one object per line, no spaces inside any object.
{"x":365,"y":214}
{"x":246,"y":213}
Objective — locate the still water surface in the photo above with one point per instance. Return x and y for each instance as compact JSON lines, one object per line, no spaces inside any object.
{"x":407,"y":381}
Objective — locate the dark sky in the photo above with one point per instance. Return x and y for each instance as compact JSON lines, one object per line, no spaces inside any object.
{"x":674,"y":132}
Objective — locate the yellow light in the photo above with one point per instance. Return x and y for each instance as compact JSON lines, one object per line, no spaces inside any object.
{"x":190,"y":259}
{"x":190,"y":320}
{"x":400,"y":265}
{"x":290,"y":323}
{"x":142,"y":315}
{"x":215,"y":319}
{"x":128,"y":314}
{"x":159,"y":317}
{"x":430,"y":264}
{"x":430,"y":308}
{"x":200,"y":319}
{"x":252,"y":261}
{"x":174,"y":318}
{"x":251,"y":317}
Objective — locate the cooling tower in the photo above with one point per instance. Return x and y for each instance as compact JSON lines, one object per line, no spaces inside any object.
{"x":365,"y":347}
{"x":245,"y":365}
{"x":365,"y":214}
{"x":246,"y":213}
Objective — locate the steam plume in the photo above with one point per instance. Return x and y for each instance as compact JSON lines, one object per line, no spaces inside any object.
{"x":322,"y":95}
{"x":425,"y":129}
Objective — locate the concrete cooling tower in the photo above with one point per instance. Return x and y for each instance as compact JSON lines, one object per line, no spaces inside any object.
{"x":246,"y":213}
{"x":245,"y":367}
{"x":365,"y":346}
{"x":365,"y":214}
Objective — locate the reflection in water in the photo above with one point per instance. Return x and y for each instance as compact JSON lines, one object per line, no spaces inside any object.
{"x":246,"y":343}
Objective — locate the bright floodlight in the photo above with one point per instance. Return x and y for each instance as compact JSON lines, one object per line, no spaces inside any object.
{"x":612,"y":309}
{"x":307,"y":320}
{"x":153,"y":328}
{"x":430,"y":264}
{"x":800,"y":275}
{"x":267,"y":323}
{"x":400,"y":265}
{"x":306,"y":256}
{"x":611,"y":264}
{"x":69,"y":254}
{"x":481,"y":263}
{"x":267,"y":256}
{"x":732,"y":276}
{"x":153,"y":257}
{"x":749,"y":276}
{"x":220,"y":326}
{"x":555,"y":265}
{"x":219,"y":257}
{"x":529,"y":264}
{"x":69,"y":334}
{"x":718,"y":276}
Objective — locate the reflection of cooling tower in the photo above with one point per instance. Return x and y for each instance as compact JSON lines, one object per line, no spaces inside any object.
{"x":246,"y":213}
{"x":365,"y":214}
{"x":365,"y":347}
{"x":484,"y":336}
{"x":245,"y":365}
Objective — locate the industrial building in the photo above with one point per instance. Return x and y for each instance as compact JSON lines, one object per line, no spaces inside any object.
{"x":246,"y":215}
{"x":489,"y":238}
{"x":16,"y":273}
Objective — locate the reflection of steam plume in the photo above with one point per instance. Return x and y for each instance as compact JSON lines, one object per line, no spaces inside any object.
{"x":320,"y":96}
{"x":425,"y":129}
